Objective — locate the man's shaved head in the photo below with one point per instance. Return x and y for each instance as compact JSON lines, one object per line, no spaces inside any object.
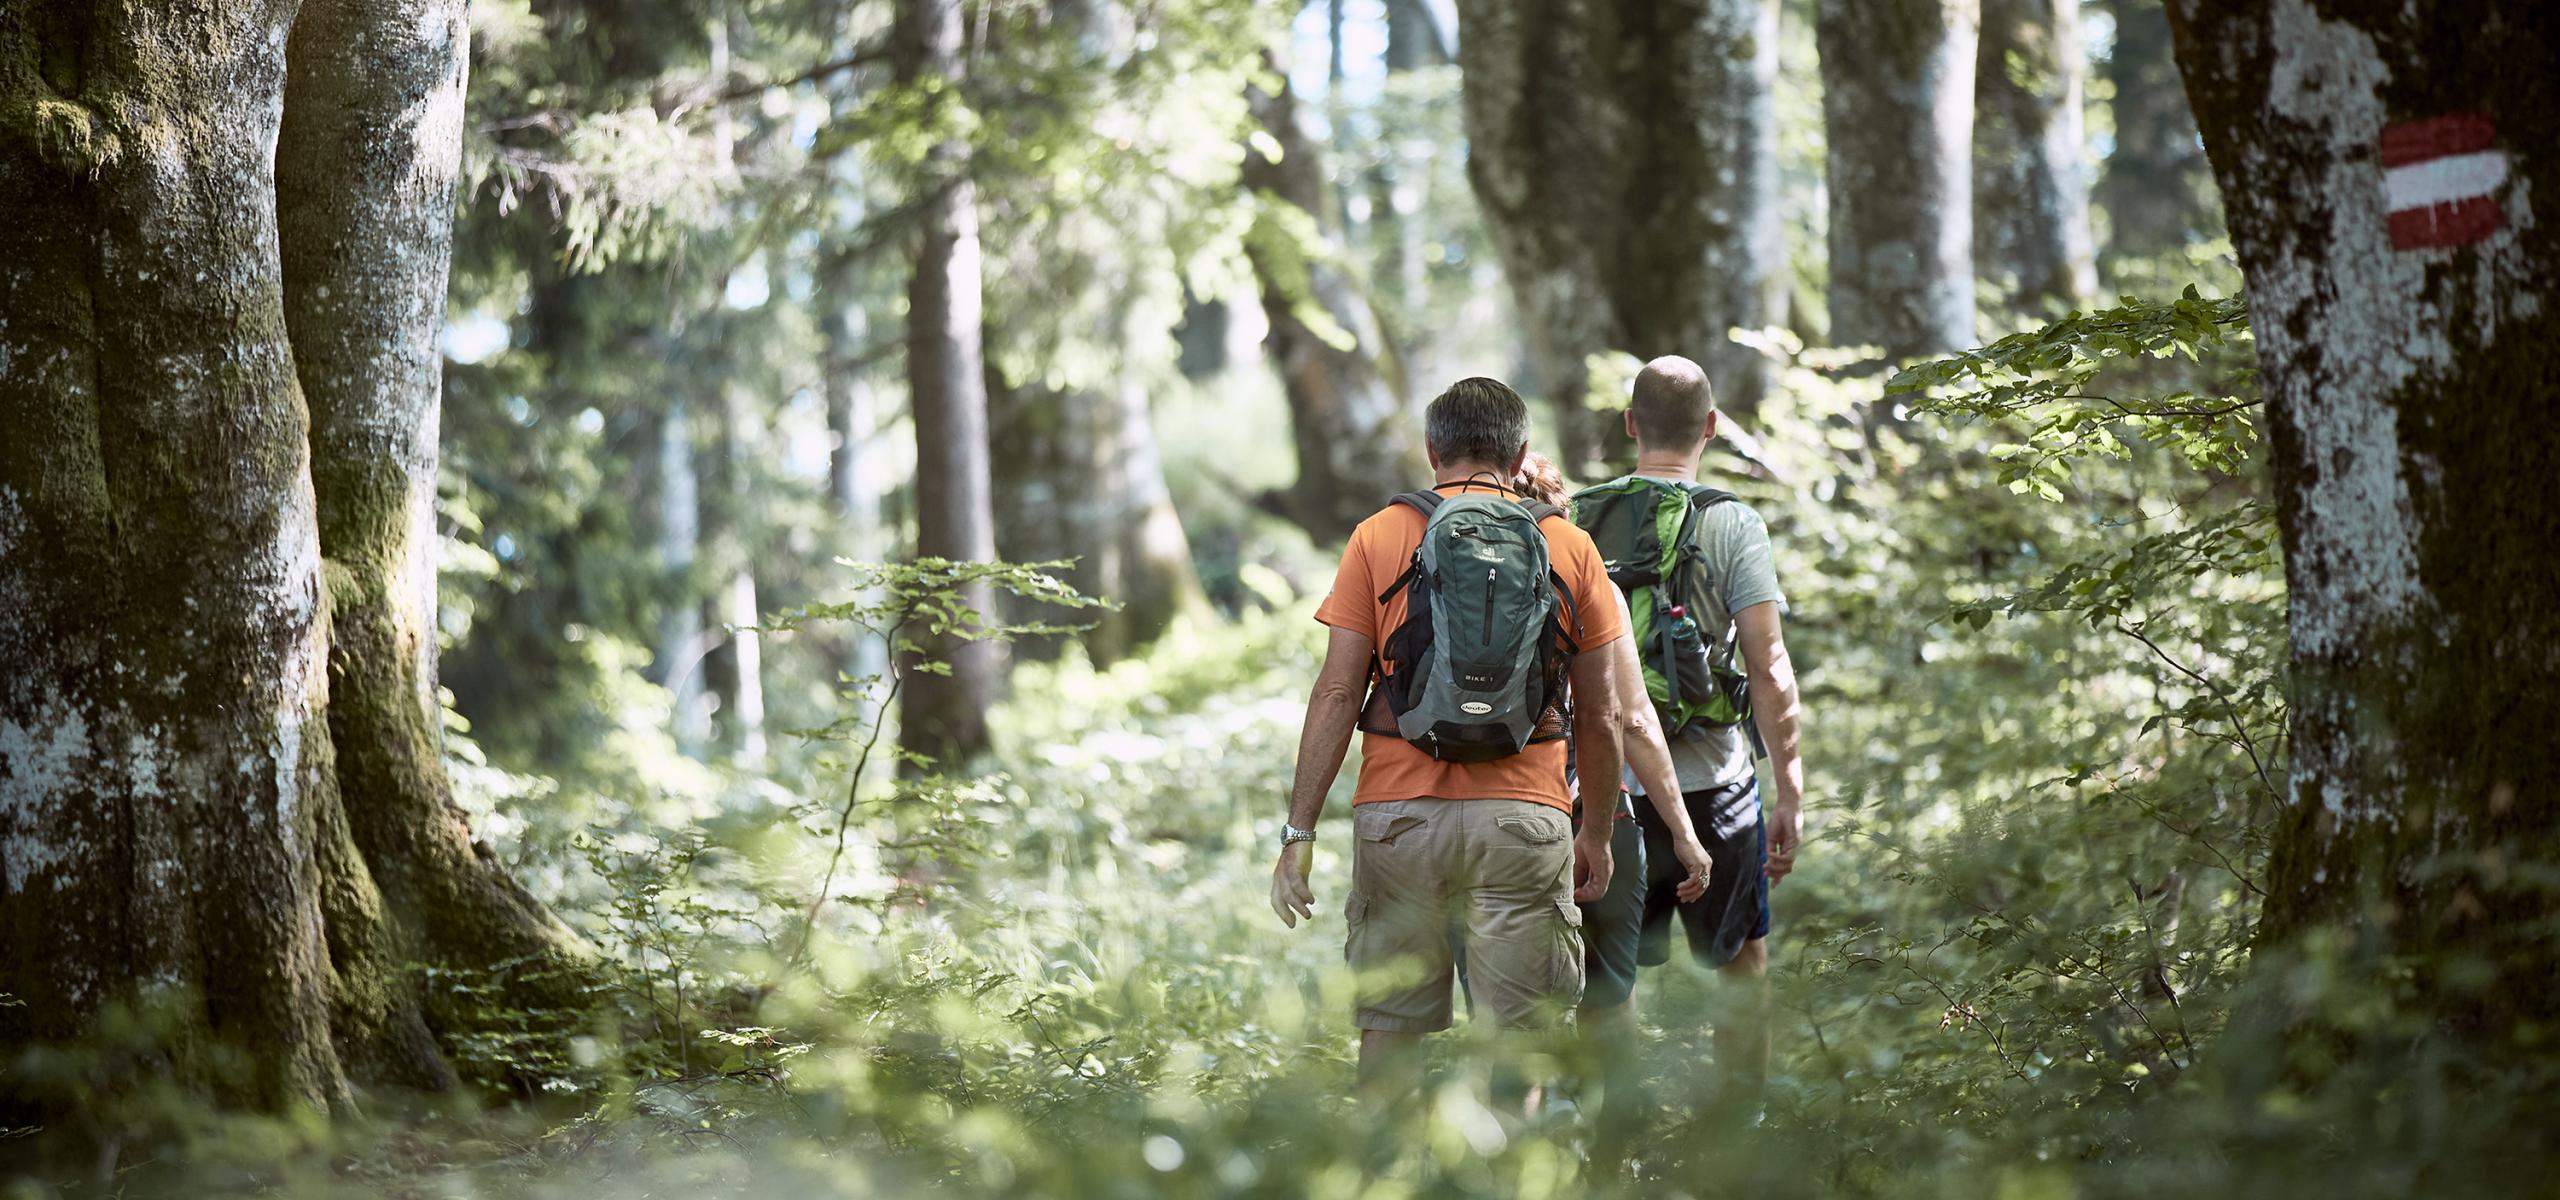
{"x":1672,"y":403}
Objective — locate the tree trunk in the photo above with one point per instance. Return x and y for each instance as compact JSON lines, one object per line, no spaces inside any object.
{"x":2149,"y":186}
{"x":2030,"y":179}
{"x":2379,"y":177}
{"x":165,"y":775}
{"x":739,"y":612}
{"x":366,"y":160}
{"x":1625,"y":155}
{"x":944,"y":717}
{"x":1083,"y":481}
{"x":683,"y":643}
{"x":1357,"y":438}
{"x":1897,"y":122}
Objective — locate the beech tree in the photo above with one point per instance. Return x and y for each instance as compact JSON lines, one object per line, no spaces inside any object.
{"x":2381,"y":180}
{"x":944,"y":716}
{"x":220,"y":779}
{"x":1897,"y":124}
{"x":1624,"y":154}
{"x":1359,"y":439}
{"x":2030,"y":177}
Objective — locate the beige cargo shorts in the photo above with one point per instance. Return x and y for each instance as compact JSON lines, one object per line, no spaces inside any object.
{"x":1496,"y":875}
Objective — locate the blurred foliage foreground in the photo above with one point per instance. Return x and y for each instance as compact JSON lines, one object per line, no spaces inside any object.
{"x":2037,"y":606}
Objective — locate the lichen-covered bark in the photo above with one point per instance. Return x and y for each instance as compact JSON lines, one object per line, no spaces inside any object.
{"x":1083,"y":480}
{"x":165,"y":787}
{"x":2030,"y":178}
{"x":1897,"y":126}
{"x":2152,"y":183}
{"x":2409,"y":393}
{"x":365,"y":165}
{"x":945,"y":716}
{"x":1625,"y":155}
{"x":1352,"y":417}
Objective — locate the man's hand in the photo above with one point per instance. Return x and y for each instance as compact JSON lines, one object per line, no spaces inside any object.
{"x":1694,"y":857}
{"x":1590,"y":866}
{"x":1289,"y":895}
{"x":1786,"y":832}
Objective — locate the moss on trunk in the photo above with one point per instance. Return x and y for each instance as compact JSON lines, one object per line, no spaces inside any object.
{"x":1625,"y":155}
{"x":2408,"y":388}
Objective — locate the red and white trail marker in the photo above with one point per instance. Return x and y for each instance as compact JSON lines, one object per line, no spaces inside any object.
{"x":2442,"y":176}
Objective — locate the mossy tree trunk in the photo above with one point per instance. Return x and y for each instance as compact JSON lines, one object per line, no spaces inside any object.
{"x":2409,"y":368}
{"x":945,"y":716}
{"x":1357,"y":431}
{"x":219,"y":778}
{"x":1625,"y":155}
{"x":2030,"y":170}
{"x":1083,"y":481}
{"x":1897,"y":127}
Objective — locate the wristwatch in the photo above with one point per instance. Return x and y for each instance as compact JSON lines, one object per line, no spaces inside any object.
{"x":1291,"y":834}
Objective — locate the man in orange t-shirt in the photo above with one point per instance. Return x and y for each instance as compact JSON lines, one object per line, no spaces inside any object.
{"x":1487,"y":848}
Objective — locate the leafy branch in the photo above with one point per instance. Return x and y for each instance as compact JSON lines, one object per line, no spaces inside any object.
{"x":902,"y":604}
{"x":2040,"y":380}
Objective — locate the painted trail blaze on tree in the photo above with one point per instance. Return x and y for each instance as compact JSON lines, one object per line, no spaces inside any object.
{"x":2442,"y":175}
{"x":2381,"y":173}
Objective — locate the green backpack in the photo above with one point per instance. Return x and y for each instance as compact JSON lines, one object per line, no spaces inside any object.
{"x":1481,"y":654}
{"x":1645,"y":531}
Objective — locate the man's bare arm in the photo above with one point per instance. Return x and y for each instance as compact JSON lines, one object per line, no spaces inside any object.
{"x":1777,"y":710}
{"x":1599,"y":732}
{"x":1649,"y":756}
{"x":1333,"y":711}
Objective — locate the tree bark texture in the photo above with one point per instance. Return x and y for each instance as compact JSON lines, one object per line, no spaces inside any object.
{"x":1897,"y":124}
{"x":1358,"y":437}
{"x":945,"y":716}
{"x":2152,"y":183}
{"x":1624,"y":153}
{"x":1083,"y":480}
{"x":165,"y":776}
{"x":366,"y":160}
{"x":204,"y":583}
{"x":2406,"y":325}
{"x":2030,"y":171}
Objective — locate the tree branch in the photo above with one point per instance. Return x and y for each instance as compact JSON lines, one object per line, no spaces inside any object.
{"x":864,"y":57}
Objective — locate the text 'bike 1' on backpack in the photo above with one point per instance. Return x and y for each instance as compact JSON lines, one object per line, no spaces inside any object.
{"x":1476,"y":670}
{"x":1646,"y":530}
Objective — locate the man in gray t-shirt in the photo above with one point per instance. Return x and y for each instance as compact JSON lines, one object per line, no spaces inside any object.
{"x":1733,"y":550}
{"x":1672,"y":417}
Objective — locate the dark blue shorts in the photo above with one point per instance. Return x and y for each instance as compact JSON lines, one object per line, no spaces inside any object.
{"x":1736,"y":901}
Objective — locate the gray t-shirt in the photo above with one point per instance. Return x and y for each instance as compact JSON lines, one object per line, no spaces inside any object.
{"x":1734,"y":546}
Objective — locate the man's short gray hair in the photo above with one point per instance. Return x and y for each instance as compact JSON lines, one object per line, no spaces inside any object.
{"x":1478,"y":420}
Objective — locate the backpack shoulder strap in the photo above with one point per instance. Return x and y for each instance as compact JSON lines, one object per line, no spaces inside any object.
{"x":1703,"y":497}
{"x":1540,"y":510}
{"x":1426,"y":503}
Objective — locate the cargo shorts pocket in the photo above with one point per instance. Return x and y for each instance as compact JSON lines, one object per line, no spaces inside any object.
{"x":1371,"y":825}
{"x":1568,"y":954}
{"x":1541,"y":830}
{"x":1355,"y":923}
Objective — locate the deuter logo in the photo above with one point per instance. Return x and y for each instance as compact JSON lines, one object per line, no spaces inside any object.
{"x":1475,"y":708}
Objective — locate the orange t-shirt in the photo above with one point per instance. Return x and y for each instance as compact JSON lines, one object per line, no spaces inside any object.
{"x":1390,"y":768}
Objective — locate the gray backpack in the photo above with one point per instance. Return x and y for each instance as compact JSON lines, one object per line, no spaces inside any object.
{"x":1479,"y":661}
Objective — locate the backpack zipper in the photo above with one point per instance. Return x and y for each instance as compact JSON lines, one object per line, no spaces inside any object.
{"x":1488,"y":603}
